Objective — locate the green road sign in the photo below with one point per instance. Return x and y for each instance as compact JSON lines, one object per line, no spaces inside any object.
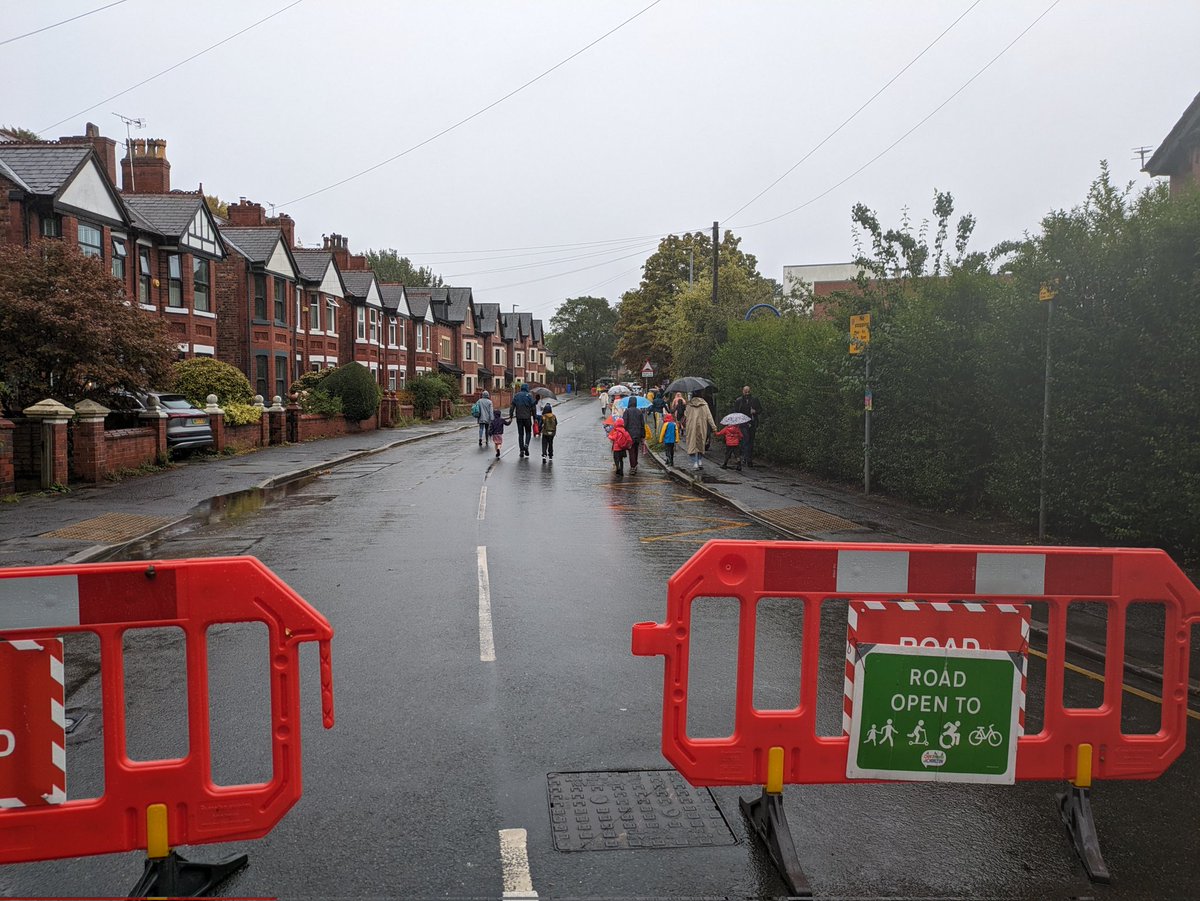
{"x":935,"y":715}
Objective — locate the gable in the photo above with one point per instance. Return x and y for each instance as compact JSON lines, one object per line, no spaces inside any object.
{"x":373,"y":298}
{"x":88,"y":193}
{"x":330,"y":284}
{"x":429,"y":314}
{"x":201,"y":235}
{"x":279,"y":264}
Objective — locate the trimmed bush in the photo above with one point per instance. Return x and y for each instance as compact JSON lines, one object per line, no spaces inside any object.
{"x":310,"y":380}
{"x":319,"y":402}
{"x":197,"y":378}
{"x":428,"y":389}
{"x":241,"y":414}
{"x":354,"y":385}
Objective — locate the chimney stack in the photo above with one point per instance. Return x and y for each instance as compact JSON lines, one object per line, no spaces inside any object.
{"x":340,"y":247}
{"x":246,"y":214}
{"x":144,"y":168}
{"x":106,"y":148}
{"x":286,"y":225}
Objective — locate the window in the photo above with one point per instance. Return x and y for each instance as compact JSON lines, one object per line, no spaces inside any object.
{"x":143,"y":275}
{"x":391,"y":380}
{"x":314,"y":311}
{"x":420,"y":336}
{"x":260,"y":375}
{"x":90,"y":239}
{"x":468,"y":352}
{"x":444,"y":348}
{"x":520,"y":359}
{"x":470,"y":385}
{"x":299,"y":304}
{"x":331,"y":317}
{"x":200,"y":285}
{"x":52,"y":226}
{"x":174,"y":280}
{"x":498,"y":355}
{"x":118,"y":258}
{"x":280,"y":300}
{"x":362,"y":323}
{"x":374,"y":326}
{"x":392,"y":335}
{"x":260,"y":296}
{"x":280,"y":376}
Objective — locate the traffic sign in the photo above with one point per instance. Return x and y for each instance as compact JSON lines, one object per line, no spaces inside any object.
{"x":860,"y":332}
{"x":935,"y":715}
{"x":1047,"y":292}
{"x":647,"y":370}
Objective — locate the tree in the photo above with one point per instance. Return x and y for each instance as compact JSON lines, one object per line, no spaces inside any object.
{"x":583,"y":333}
{"x":217,"y":206}
{"x":389,"y":266}
{"x":696,"y":327}
{"x":20,"y":134}
{"x":644,"y":310}
{"x":69,"y":331}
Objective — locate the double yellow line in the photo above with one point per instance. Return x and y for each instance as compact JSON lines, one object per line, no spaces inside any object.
{"x":1099,"y":677}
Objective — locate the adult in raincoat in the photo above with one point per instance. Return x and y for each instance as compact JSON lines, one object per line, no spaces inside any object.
{"x":700,"y":426}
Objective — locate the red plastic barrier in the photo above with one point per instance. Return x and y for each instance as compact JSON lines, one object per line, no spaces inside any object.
{"x":814,"y":572}
{"x":39,"y":603}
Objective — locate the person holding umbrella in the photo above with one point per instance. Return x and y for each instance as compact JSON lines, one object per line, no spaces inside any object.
{"x":635,"y":425}
{"x":732,"y":433}
{"x":750,"y":406}
{"x":700,"y":426}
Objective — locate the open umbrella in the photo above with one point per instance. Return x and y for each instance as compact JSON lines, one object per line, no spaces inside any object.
{"x":544,"y":393}
{"x":618,"y":389}
{"x":690,"y":383}
{"x":735,"y":419}
{"x":640,"y":402}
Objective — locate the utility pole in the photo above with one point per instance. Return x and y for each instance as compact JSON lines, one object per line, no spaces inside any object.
{"x":135,"y":123}
{"x":716,"y":262}
{"x":1045,"y":294}
{"x":691,"y":263}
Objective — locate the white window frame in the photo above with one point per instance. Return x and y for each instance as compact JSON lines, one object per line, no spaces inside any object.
{"x":362,"y":323}
{"x":314,"y":313}
{"x":330,"y":316}
{"x":392,"y":333}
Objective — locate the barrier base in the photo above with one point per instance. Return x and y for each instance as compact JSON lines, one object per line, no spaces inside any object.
{"x":1075,"y":808}
{"x":771,"y":827}
{"x":177,"y":877}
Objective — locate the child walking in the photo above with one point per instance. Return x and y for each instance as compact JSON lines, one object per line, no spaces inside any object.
{"x":549,"y":427}
{"x":621,"y":442}
{"x":498,"y":432}
{"x":733,"y":439}
{"x":668,"y":436}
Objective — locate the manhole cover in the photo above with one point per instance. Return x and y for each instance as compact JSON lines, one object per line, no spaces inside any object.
{"x":807,"y":520}
{"x":110,"y":527}
{"x":615,"y":811}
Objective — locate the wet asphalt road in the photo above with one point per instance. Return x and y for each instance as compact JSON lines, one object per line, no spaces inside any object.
{"x":435,"y":750}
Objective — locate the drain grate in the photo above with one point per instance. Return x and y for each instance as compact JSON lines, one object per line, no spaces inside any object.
{"x":110,"y":527}
{"x":808,"y":521}
{"x":637,"y":809}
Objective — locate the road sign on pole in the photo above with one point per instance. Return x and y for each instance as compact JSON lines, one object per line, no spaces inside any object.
{"x":860,"y":332}
{"x":935,"y":715}
{"x":647,"y":370}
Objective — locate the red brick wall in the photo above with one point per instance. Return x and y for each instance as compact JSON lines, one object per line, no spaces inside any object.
{"x":128,"y":449}
{"x":243,"y":437}
{"x":231,"y":283}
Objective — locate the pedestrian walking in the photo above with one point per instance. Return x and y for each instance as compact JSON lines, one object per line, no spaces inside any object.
{"x":668,"y":437}
{"x":678,"y":409}
{"x":497,"y":432}
{"x":620,"y":444}
{"x":522,"y":409}
{"x":751,"y":406}
{"x":604,"y":402}
{"x":549,"y":428}
{"x":700,"y":426}
{"x":733,"y":439}
{"x":483,"y":411}
{"x":635,"y":425}
{"x":658,"y":406}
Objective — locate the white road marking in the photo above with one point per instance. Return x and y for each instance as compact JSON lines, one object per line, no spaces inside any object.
{"x":518,"y":883}
{"x":482,"y":502}
{"x":487,"y":645}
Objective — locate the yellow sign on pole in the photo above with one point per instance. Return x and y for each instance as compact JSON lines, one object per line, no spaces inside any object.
{"x":860,"y":332}
{"x":1047,"y":292}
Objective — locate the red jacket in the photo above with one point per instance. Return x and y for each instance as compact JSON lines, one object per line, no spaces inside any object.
{"x":732,"y":435}
{"x":620,"y":438}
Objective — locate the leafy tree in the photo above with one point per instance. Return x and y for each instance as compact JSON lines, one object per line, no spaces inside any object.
{"x":356,"y":387}
{"x":696,"y":327}
{"x":70,"y":333}
{"x":20,"y":134}
{"x":217,"y":206}
{"x":389,"y":266}
{"x":583,"y":333}
{"x":429,"y":388}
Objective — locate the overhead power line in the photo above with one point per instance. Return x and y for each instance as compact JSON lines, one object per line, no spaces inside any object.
{"x":176,"y":66}
{"x":929,"y":116}
{"x":56,"y":24}
{"x":642,"y":245}
{"x":475,"y":114}
{"x":854,"y":114}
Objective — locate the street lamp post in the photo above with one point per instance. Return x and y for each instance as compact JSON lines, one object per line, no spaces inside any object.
{"x":1045,"y":294}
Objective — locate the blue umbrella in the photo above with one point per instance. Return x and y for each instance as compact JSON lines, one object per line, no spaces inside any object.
{"x":642,"y":403}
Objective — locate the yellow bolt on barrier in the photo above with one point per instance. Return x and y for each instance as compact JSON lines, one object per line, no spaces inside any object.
{"x":157,"y":845}
{"x":1083,"y":767}
{"x":774,"y":771}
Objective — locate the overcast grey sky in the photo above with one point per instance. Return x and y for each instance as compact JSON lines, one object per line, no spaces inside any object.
{"x":674,"y":120}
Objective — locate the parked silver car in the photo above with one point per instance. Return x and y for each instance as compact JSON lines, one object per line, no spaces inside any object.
{"x":186,"y":426}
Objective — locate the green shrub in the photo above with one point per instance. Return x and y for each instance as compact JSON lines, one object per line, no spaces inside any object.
{"x":357,"y":389}
{"x":320,"y":403}
{"x":197,"y":378}
{"x":310,"y":380}
{"x":428,"y":389}
{"x":241,"y":414}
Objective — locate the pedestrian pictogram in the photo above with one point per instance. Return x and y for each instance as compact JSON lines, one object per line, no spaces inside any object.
{"x":647,"y":370}
{"x":923,"y":692}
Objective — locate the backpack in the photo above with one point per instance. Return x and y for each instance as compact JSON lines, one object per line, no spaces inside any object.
{"x":475,"y":409}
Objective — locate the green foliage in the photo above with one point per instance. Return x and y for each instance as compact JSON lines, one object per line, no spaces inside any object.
{"x":429,"y":388}
{"x":217,"y":206}
{"x":237,"y":413}
{"x":357,"y":389}
{"x":20,"y":134}
{"x":583,"y":333}
{"x":390,"y":267}
{"x":310,"y":380}
{"x":199,"y":377}
{"x":319,"y":402}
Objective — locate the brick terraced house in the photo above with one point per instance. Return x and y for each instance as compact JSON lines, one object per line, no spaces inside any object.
{"x":398,"y":328}
{"x":421,"y":356}
{"x":321,"y":295}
